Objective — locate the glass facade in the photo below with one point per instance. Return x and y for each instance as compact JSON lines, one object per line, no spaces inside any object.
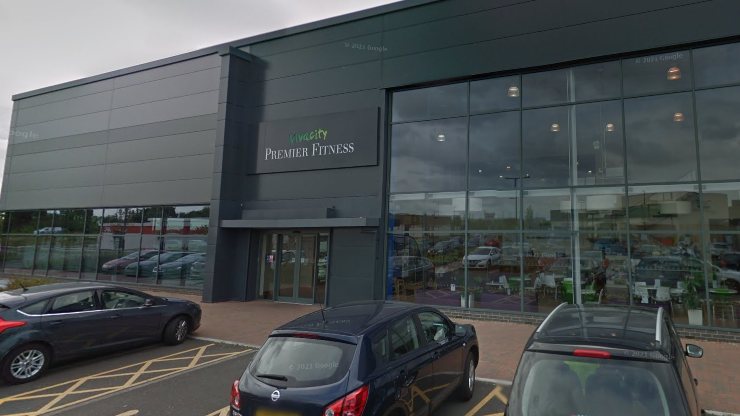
{"x":148,"y":245}
{"x":609,"y":183}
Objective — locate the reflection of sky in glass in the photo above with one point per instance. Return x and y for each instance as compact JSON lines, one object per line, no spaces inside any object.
{"x":494,"y":150}
{"x":719,"y":132}
{"x":495,"y":94}
{"x":649,"y":74}
{"x":717,"y":65}
{"x":434,"y":102}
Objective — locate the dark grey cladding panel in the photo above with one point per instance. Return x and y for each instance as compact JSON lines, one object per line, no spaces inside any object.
{"x":59,"y":159}
{"x":69,"y":126}
{"x":193,"y":65}
{"x":332,"y":183}
{"x":318,"y":37}
{"x":164,"y":128}
{"x":170,"y":169}
{"x":441,"y":10}
{"x":176,"y":145}
{"x":163,"y":89}
{"x":350,"y":78}
{"x":87,"y":104}
{"x":60,"y":143}
{"x":58,"y":178}
{"x":172,"y":109}
{"x":63,"y":198}
{"x":352,"y":271}
{"x":576,"y":12}
{"x":66,"y":94}
{"x":316,"y":106}
{"x":486,"y":25}
{"x":347,"y":207}
{"x":707,"y":20}
{"x":193,"y":191}
{"x":310,"y":59}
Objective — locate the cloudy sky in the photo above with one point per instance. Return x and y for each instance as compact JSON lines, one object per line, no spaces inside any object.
{"x":47,"y":42}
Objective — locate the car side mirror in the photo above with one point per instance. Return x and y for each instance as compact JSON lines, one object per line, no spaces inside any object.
{"x":694,"y":351}
{"x":460,"y":331}
{"x":148,"y":303}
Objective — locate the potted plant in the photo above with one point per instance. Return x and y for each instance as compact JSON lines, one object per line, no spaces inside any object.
{"x":470,"y":301}
{"x":692,"y":301}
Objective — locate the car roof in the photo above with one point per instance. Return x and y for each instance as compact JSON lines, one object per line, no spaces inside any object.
{"x":627,"y":327}
{"x":353,"y":318}
{"x":32,"y":293}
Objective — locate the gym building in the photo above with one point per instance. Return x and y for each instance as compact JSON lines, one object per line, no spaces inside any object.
{"x":499,"y":156}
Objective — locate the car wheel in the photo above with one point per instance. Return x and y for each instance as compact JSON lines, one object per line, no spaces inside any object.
{"x":25,"y":363}
{"x":176,"y":331}
{"x":467,"y":384}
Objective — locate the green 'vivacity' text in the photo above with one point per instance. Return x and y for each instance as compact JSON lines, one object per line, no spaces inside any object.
{"x":311,"y":135}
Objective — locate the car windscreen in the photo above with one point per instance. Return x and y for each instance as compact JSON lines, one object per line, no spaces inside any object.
{"x":563,"y":385}
{"x":302,"y":362}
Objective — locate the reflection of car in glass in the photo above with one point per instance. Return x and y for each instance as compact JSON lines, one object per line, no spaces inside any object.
{"x":564,"y":267}
{"x":414,"y":270}
{"x":362,"y":358}
{"x":482,"y":257}
{"x":178,"y":269}
{"x":673,"y":269}
{"x":404,"y":245}
{"x":197,"y":269}
{"x":49,"y":230}
{"x":120,"y":264}
{"x":593,"y":255}
{"x":604,"y":242}
{"x":493,"y":241}
{"x":730,"y":260}
{"x":45,"y":324}
{"x":443,"y":247}
{"x":646,"y":250}
{"x":616,"y":250}
{"x":716,"y":249}
{"x":146,"y":267}
{"x":596,"y":360}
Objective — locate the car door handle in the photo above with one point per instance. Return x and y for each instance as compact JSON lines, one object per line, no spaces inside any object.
{"x":405,"y":379}
{"x":115,"y":316}
{"x":56,"y":323}
{"x":435,"y":355}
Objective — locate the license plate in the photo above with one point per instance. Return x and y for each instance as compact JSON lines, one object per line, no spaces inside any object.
{"x":268,"y":412}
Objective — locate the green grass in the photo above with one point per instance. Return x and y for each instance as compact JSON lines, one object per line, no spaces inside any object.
{"x":28,"y":281}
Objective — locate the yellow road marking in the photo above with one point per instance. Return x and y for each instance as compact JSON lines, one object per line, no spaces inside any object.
{"x":494,"y":393}
{"x":196,"y":358}
{"x":129,"y":413}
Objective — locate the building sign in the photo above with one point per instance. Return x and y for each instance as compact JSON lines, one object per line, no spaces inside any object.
{"x":328,"y":141}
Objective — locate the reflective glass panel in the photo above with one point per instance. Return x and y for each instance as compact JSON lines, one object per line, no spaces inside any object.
{"x":495,"y":94}
{"x":268,"y":262}
{"x":24,"y":222}
{"x":664,"y":72}
{"x":604,"y":265}
{"x":65,"y":258}
{"x":493,"y":210}
{"x":546,"y":137}
{"x":719,"y":132}
{"x":548,"y":266}
{"x":93,"y":221}
{"x":664,"y":208}
{"x":660,"y":139}
{"x":440,"y":211}
{"x":46,"y":217}
{"x":119,"y":256}
{"x":547,"y":210}
{"x":69,"y":221}
{"x":186,"y":220}
{"x":721,"y":206}
{"x":89,"y":267}
{"x":495,"y":151}
{"x":600,"y":209}
{"x":429,"y":156}
{"x":588,"y":82}
{"x":599,"y":144}
{"x":717,"y":65}
{"x":41,"y":263}
{"x":429,"y":103}
{"x":20,"y":253}
{"x":494,"y":275}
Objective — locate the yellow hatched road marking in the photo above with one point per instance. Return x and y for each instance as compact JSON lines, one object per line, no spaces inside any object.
{"x":221,"y":412}
{"x":494,"y":393}
{"x":195,"y":356}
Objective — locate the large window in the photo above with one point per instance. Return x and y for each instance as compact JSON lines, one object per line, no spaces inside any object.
{"x":612,"y":182}
{"x":112,"y":244}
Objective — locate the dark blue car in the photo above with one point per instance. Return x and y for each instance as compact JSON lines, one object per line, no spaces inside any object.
{"x":365,"y":358}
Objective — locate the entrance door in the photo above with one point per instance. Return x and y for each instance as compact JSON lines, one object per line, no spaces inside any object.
{"x":289,"y":266}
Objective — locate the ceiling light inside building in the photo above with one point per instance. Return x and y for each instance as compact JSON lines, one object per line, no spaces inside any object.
{"x":441,"y":138}
{"x":674,"y":73}
{"x":610,"y":127}
{"x":678,"y":117}
{"x":555,"y":127}
{"x":513,"y":92}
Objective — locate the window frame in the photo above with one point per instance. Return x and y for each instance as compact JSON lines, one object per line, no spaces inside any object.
{"x":417,"y":326}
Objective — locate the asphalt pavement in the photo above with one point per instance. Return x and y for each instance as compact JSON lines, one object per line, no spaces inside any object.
{"x":192,"y":379}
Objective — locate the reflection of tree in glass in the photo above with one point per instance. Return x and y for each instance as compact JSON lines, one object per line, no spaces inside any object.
{"x":529,"y":218}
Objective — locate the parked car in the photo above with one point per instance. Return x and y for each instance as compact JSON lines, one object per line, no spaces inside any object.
{"x":482,"y":257}
{"x":605,"y":360}
{"x":443,"y":247}
{"x":115,"y":266}
{"x":46,"y":324}
{"x":366,"y":358}
{"x":493,"y":241}
{"x":146,"y":267}
{"x":197,"y":269}
{"x":178,"y":269}
{"x":48,"y":230}
{"x":730,"y":260}
{"x":717,"y":249}
{"x":604,"y":242}
{"x":616,"y":250}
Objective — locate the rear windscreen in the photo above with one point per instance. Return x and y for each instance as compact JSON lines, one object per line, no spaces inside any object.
{"x":563,"y":385}
{"x":301,"y":362}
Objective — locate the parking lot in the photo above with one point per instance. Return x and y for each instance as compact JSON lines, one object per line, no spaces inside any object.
{"x":191,"y":379}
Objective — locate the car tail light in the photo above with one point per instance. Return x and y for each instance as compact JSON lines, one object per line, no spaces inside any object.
{"x":312,"y":336}
{"x":591,"y":353}
{"x":9,"y":324}
{"x":352,"y":404}
{"x":235,"y":399}
{"x":723,"y":263}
